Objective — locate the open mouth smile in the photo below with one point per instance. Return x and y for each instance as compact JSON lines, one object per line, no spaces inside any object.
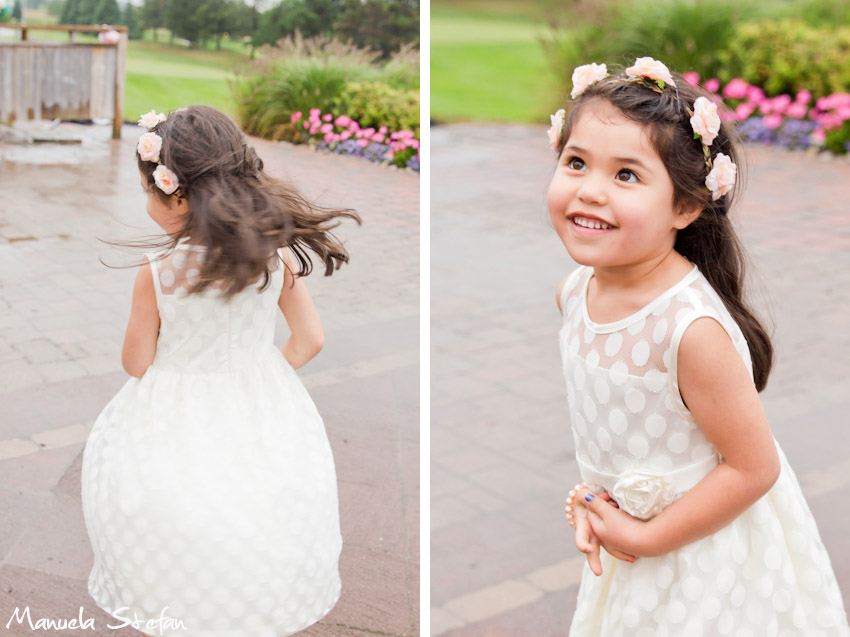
{"x":590,"y":223}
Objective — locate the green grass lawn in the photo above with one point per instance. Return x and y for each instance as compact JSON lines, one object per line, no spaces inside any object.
{"x":488,"y":65}
{"x":163,"y":77}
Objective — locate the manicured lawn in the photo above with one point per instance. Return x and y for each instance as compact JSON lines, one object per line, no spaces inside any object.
{"x":488,"y":65}
{"x":164,"y":77}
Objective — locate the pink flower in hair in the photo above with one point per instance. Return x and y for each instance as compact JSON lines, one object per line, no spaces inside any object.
{"x":151,"y":119}
{"x":721,"y":179}
{"x":651,"y":69}
{"x":557,"y":127}
{"x":165,"y":180}
{"x":585,"y":76}
{"x":705,"y":121}
{"x":149,"y":146}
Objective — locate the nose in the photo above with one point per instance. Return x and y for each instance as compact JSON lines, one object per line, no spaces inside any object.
{"x":593,"y":190}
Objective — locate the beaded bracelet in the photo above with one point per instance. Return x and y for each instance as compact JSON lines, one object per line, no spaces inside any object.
{"x":571,"y":496}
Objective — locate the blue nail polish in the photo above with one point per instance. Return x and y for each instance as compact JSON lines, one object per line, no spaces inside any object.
{"x":589,"y":497}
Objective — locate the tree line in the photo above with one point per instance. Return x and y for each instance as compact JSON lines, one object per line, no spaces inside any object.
{"x":382,"y":25}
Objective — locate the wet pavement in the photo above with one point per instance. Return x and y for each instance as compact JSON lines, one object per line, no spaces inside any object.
{"x":503,"y":562}
{"x":62,"y":319}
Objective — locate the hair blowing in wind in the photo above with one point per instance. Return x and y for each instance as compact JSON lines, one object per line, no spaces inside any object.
{"x":237,"y":212}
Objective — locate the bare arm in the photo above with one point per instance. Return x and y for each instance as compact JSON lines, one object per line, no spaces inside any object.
{"x":559,"y":292}
{"x":143,"y":327}
{"x":301,"y":316}
{"x":718,"y":391}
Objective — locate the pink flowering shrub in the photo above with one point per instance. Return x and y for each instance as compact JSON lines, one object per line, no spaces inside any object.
{"x":344,"y":135}
{"x":828,"y":118}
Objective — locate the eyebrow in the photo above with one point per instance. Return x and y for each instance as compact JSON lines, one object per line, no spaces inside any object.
{"x":621,"y":160}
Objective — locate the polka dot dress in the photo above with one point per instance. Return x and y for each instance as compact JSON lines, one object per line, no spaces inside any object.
{"x":208,"y":485}
{"x":767,"y":573}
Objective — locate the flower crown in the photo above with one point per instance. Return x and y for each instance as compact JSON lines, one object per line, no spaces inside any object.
{"x":656,"y":76}
{"x":149,"y":146}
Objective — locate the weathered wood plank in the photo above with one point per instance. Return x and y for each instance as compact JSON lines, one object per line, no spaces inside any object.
{"x":46,"y":80}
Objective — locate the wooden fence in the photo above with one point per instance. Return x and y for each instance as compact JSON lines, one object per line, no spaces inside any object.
{"x":67,"y":80}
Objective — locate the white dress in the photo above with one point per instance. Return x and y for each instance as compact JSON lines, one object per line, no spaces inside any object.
{"x":208,"y":485}
{"x":765,"y":574}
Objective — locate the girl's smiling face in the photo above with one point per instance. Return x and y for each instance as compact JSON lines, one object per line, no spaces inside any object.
{"x":611,"y":197}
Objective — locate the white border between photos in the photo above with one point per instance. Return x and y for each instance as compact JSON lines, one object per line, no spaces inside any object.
{"x":425,"y":321}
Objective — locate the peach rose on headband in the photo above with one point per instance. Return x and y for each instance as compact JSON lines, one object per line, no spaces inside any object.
{"x":149,"y":146}
{"x":650,"y":68}
{"x":705,"y":120}
{"x":165,"y":180}
{"x":149,"y":120}
{"x":557,"y":126}
{"x":584,"y":76}
{"x":722,"y":176}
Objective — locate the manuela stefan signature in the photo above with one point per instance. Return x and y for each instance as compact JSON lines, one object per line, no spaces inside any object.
{"x":150,"y":626}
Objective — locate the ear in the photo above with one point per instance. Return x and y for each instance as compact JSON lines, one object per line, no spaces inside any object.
{"x":181,"y":204}
{"x":686,"y":216}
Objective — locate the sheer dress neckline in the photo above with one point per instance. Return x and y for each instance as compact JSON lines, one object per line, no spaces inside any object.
{"x":605,"y":328}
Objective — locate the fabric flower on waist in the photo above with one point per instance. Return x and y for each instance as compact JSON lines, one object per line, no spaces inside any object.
{"x":643,"y":494}
{"x":149,"y":147}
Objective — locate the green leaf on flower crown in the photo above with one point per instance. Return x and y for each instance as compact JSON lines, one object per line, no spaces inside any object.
{"x":696,"y":135}
{"x":661,"y":84}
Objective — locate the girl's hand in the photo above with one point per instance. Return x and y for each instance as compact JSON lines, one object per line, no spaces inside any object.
{"x":616,"y":530}
{"x":586,"y":539}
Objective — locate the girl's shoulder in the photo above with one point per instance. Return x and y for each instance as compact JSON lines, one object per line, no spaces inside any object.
{"x":570,"y":286}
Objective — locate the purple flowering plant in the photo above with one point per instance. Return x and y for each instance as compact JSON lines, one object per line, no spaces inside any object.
{"x":344,"y":136}
{"x":783,"y":120}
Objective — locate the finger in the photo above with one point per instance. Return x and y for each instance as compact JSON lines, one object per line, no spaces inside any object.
{"x":593,"y":559}
{"x":619,"y":554}
{"x":593,"y":503}
{"x":583,"y":537}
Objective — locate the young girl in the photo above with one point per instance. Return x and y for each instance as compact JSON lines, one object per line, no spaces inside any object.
{"x":208,"y":485}
{"x":663,"y":359}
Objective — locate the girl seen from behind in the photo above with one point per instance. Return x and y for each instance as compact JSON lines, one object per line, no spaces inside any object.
{"x":704,"y":526}
{"x":208,"y":485}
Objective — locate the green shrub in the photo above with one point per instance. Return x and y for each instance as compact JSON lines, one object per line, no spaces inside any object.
{"x":300,"y":74}
{"x":375,"y":104}
{"x":683,"y":34}
{"x":788,"y":56}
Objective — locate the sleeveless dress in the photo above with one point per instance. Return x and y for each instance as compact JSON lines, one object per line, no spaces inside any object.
{"x":208,"y":485}
{"x":765,"y":574}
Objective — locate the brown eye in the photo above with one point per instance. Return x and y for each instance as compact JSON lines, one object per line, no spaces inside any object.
{"x":627,"y":176}
{"x":575,"y":163}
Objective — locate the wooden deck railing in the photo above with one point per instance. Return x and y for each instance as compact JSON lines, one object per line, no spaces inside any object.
{"x":69,"y":80}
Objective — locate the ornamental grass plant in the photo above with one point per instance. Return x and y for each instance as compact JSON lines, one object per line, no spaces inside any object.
{"x":301,"y":74}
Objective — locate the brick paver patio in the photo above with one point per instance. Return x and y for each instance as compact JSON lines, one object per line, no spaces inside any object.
{"x":62,"y":320}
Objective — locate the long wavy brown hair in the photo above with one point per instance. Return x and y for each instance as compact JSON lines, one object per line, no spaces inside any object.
{"x":710,"y":241}
{"x":236,"y":211}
